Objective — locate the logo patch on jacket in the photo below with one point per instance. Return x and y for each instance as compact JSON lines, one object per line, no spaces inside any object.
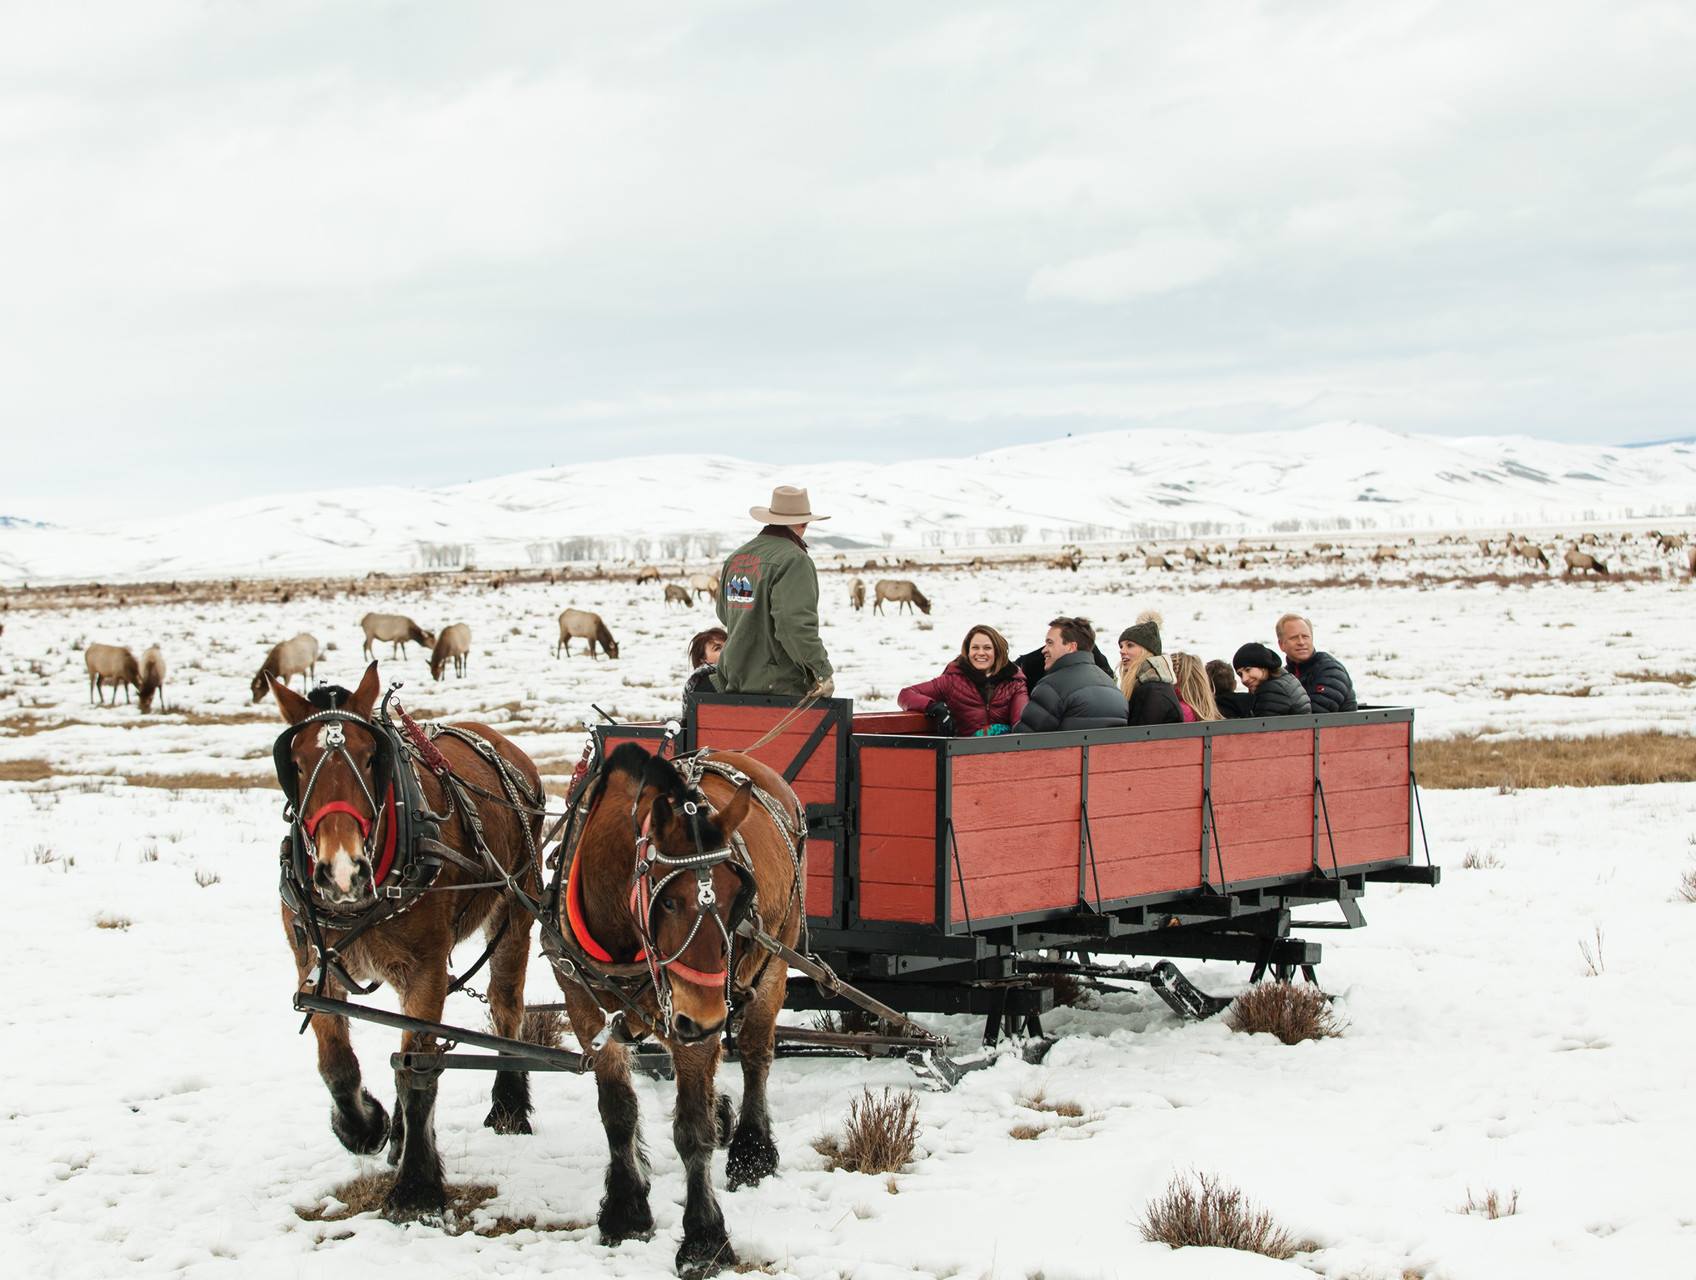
{"x":739,"y":586}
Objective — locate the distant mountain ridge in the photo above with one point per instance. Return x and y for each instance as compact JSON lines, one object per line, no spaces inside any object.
{"x":1118,"y":484}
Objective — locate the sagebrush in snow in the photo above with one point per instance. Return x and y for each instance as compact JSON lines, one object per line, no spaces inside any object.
{"x":546,"y":1027}
{"x":1687,"y":886}
{"x":1492,"y":1204}
{"x":1204,"y":1211}
{"x":1291,"y":1011}
{"x":879,"y":1135}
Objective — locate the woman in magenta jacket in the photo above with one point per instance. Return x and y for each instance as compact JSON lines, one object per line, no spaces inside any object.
{"x":981,"y":691}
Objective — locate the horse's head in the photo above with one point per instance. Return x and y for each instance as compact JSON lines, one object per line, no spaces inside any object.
{"x":691,"y":896}
{"x":337,"y":785}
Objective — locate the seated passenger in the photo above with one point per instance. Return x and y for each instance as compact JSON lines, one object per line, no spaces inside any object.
{"x":979,"y":692}
{"x":1075,"y":693}
{"x":1232,"y":705}
{"x":704,"y":649}
{"x":1146,"y":677}
{"x":1035,"y":664}
{"x":1325,"y":679}
{"x":1195,"y":689}
{"x":1275,"y":691}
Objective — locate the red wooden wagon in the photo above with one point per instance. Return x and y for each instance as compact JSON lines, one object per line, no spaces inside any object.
{"x":947,"y":874}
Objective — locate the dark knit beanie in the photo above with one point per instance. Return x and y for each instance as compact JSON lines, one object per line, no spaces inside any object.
{"x":1144,"y":631}
{"x":1257,"y":655}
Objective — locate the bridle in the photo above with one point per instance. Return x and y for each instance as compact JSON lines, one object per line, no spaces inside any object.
{"x":656,"y":871}
{"x":653,"y":872}
{"x":377,"y":826}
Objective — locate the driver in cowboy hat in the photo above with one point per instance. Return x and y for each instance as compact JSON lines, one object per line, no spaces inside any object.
{"x":768,"y":601}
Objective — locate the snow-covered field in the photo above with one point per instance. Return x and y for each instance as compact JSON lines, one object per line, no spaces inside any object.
{"x":162,"y":1117}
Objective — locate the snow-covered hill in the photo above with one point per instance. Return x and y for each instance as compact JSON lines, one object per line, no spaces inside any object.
{"x":1130,"y":484}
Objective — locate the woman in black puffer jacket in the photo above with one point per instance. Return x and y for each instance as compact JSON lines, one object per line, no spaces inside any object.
{"x":1275,"y":692}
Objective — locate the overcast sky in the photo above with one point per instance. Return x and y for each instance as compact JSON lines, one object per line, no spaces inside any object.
{"x":254,"y":247}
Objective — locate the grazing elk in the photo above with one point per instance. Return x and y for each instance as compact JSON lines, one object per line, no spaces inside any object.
{"x":110,"y":664}
{"x":580,"y":624}
{"x":647,"y":573}
{"x":288,"y":658}
{"x":152,"y":678}
{"x":1580,"y":561}
{"x":675,"y":594}
{"x":1157,"y":561}
{"x":397,"y":629}
{"x":1382,"y":554}
{"x":900,"y":590}
{"x":857,"y":594}
{"x":704,"y":585}
{"x":1531,"y":552}
{"x":454,"y":643}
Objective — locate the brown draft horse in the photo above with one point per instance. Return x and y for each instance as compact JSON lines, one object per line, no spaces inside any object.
{"x":644,"y":826}
{"x":411,"y":950}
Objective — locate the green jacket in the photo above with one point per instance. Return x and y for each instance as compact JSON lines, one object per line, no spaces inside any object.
{"x":768,"y":601}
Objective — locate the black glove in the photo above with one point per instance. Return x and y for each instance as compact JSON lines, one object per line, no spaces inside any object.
{"x":941,"y":717}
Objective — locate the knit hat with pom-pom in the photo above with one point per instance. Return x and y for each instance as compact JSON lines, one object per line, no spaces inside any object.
{"x":1144,"y":631}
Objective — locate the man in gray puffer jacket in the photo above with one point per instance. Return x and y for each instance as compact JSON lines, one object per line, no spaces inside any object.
{"x":1075,"y":694}
{"x":1275,"y":691}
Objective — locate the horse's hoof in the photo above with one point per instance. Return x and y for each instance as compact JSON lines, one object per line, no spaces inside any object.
{"x":630,"y":1221}
{"x":361,"y":1128}
{"x":705,"y":1257}
{"x":751,"y":1159}
{"x":417,"y":1203}
{"x":724,"y":1116}
{"x":503,"y":1121}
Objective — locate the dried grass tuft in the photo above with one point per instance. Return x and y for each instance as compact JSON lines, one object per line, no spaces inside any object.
{"x":119,"y":923}
{"x":1492,"y":1204}
{"x":366,"y":1193}
{"x":546,"y":1027}
{"x":1291,"y":1011}
{"x":1687,"y":886}
{"x":1476,"y":861}
{"x":1025,"y":1132}
{"x":1203,"y":1211}
{"x":879,"y":1135}
{"x":1510,"y":764}
{"x":1592,"y":953}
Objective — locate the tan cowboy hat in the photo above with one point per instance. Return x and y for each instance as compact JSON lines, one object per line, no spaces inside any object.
{"x":789,"y":505}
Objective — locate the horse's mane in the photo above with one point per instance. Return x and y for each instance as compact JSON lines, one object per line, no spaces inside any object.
{"x":630,"y":759}
{"x":327,"y":697}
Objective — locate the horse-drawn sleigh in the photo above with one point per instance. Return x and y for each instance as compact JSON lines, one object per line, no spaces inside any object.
{"x":697,"y":865}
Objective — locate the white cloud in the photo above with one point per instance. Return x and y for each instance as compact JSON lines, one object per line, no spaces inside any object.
{"x":1160,"y":262}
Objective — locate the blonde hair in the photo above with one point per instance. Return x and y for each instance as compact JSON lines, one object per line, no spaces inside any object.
{"x":1195,"y":686}
{"x":1278,"y":627}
